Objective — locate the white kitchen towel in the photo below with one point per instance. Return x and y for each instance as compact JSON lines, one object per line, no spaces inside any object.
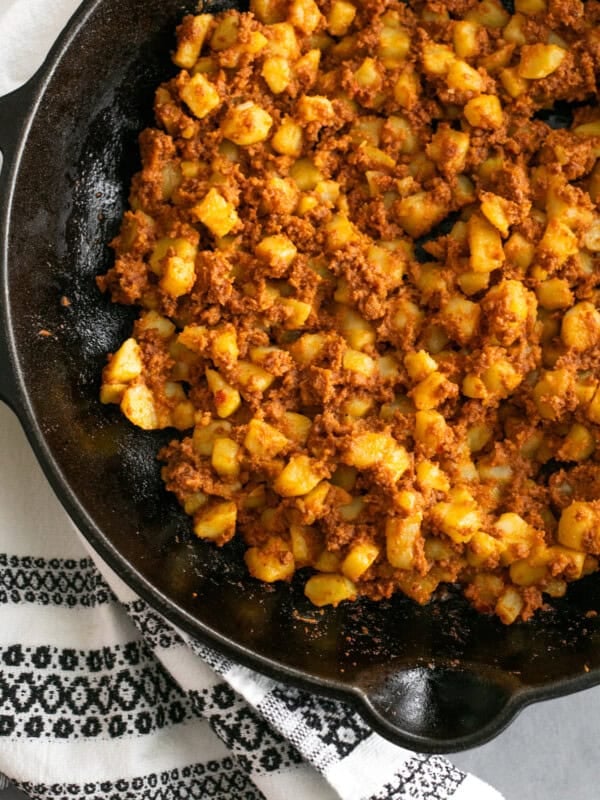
{"x":100,"y":697}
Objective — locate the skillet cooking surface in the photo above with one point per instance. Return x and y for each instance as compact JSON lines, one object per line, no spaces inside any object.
{"x":437,"y":678}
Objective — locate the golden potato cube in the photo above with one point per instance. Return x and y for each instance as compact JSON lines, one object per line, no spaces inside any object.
{"x":464,"y":38}
{"x":578,"y":444}
{"x":137,"y":404}
{"x":295,"y":426}
{"x":306,"y":545}
{"x":226,"y":398}
{"x":282,"y":40}
{"x":559,"y":241}
{"x":458,"y":519}
{"x":340,"y":232}
{"x":253,"y":377}
{"x":419,"y":213}
{"x":484,"y":112}
{"x":368,"y":449}
{"x":482,"y":549}
{"x":431,"y":392}
{"x":288,"y":141}
{"x":402,"y":535}
{"x":449,"y":148}
{"x":496,"y":210}
{"x":340,"y":17}
{"x":324,"y":590}
{"x":437,"y":58}
{"x":305,"y":174}
{"x":305,"y":15}
{"x":166,"y":248}
{"x":277,"y":251}
{"x":460,"y":317}
{"x":112,"y":392}
{"x":280,"y":195}
{"x":579,"y":527}
{"x":178,"y":277}
{"x":269,"y":11}
{"x":463,"y":77}
{"x":277,"y":72}
{"x":190,"y":44}
{"x":540,"y":60}
{"x":308,"y":347}
{"x":361,"y":363}
{"x":580,"y":329}
{"x":554,"y":293}
{"x":225,"y":34}
{"x":225,"y":457}
{"x":473,"y":282}
{"x":368,"y":75}
{"x":509,"y":605}
{"x":517,"y":536}
{"x":216,"y":522}
{"x":393,"y":46}
{"x":194,"y":502}
{"x":328,"y":561}
{"x":430,"y":430}
{"x":273,"y":561}
{"x":431,"y":477}
{"x":298,"y":477}
{"x":489,"y":13}
{"x":297,"y":312}
{"x":315,"y":108}
{"x":514,"y":84}
{"x":359,"y":559}
{"x":200,"y":96}
{"x":124,"y":365}
{"x":407,"y":87}
{"x":356,"y":330}
{"x":485,"y":245}
{"x":263,"y":440}
{"x":205,"y":436}
{"x":549,"y":391}
{"x":246,"y":124}
{"x":419,"y":364}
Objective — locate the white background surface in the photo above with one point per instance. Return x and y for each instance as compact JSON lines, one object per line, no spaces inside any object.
{"x":548,"y":753}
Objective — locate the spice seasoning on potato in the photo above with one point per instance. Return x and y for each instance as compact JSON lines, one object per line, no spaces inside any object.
{"x":380,"y":421}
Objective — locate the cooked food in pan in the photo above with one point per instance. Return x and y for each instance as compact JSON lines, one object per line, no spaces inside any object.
{"x":365,"y":255}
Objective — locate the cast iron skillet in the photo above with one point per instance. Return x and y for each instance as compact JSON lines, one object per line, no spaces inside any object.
{"x":437,"y":679}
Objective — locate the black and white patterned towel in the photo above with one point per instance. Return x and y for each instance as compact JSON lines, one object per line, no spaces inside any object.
{"x":101,"y":698}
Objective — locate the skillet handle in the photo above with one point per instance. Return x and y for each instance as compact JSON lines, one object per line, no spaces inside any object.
{"x":440,"y":709}
{"x":15,"y":110}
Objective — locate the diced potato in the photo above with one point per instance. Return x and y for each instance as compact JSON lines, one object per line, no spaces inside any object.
{"x":578,"y":445}
{"x":112,"y":392}
{"x":340,"y":17}
{"x":483,"y":549}
{"x":432,"y":391}
{"x":579,"y":527}
{"x":517,"y":536}
{"x":264,"y":440}
{"x":402,"y":535}
{"x":269,"y":11}
{"x":298,"y":477}
{"x":190,"y":45}
{"x":305,"y":174}
{"x":460,"y":518}
{"x":437,"y":58}
{"x":205,"y":436}
{"x":361,"y":363}
{"x":246,"y":124}
{"x":514,"y":83}
{"x":460,"y":317}
{"x":226,"y":32}
{"x":124,"y":365}
{"x":137,"y":404}
{"x":216,"y":522}
{"x":178,"y":276}
{"x":323,"y":590}
{"x":549,"y":391}
{"x":431,"y":477}
{"x":359,"y":559}
{"x":227,"y":399}
{"x":305,"y":15}
{"x":463,"y":77}
{"x":288,"y":140}
{"x":315,"y":108}
{"x":580,"y":329}
{"x":199,"y":94}
{"x":419,"y":364}
{"x":253,"y":377}
{"x":509,"y":605}
{"x":554,"y":293}
{"x":531,"y":7}
{"x":540,"y":60}
{"x":464,"y":37}
{"x":419,"y":213}
{"x":340,"y":232}
{"x":225,"y":457}
{"x":449,"y":148}
{"x":484,"y":112}
{"x":393,"y":47}
{"x":485,"y":245}
{"x":277,"y":72}
{"x":167,"y":248}
{"x":273,"y":561}
{"x":277,"y":251}
{"x":558,"y":241}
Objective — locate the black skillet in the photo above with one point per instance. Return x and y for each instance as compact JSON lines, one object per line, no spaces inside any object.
{"x":437,"y":679}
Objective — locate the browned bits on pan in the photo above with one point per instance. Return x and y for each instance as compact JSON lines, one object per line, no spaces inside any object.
{"x":385,"y":415}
